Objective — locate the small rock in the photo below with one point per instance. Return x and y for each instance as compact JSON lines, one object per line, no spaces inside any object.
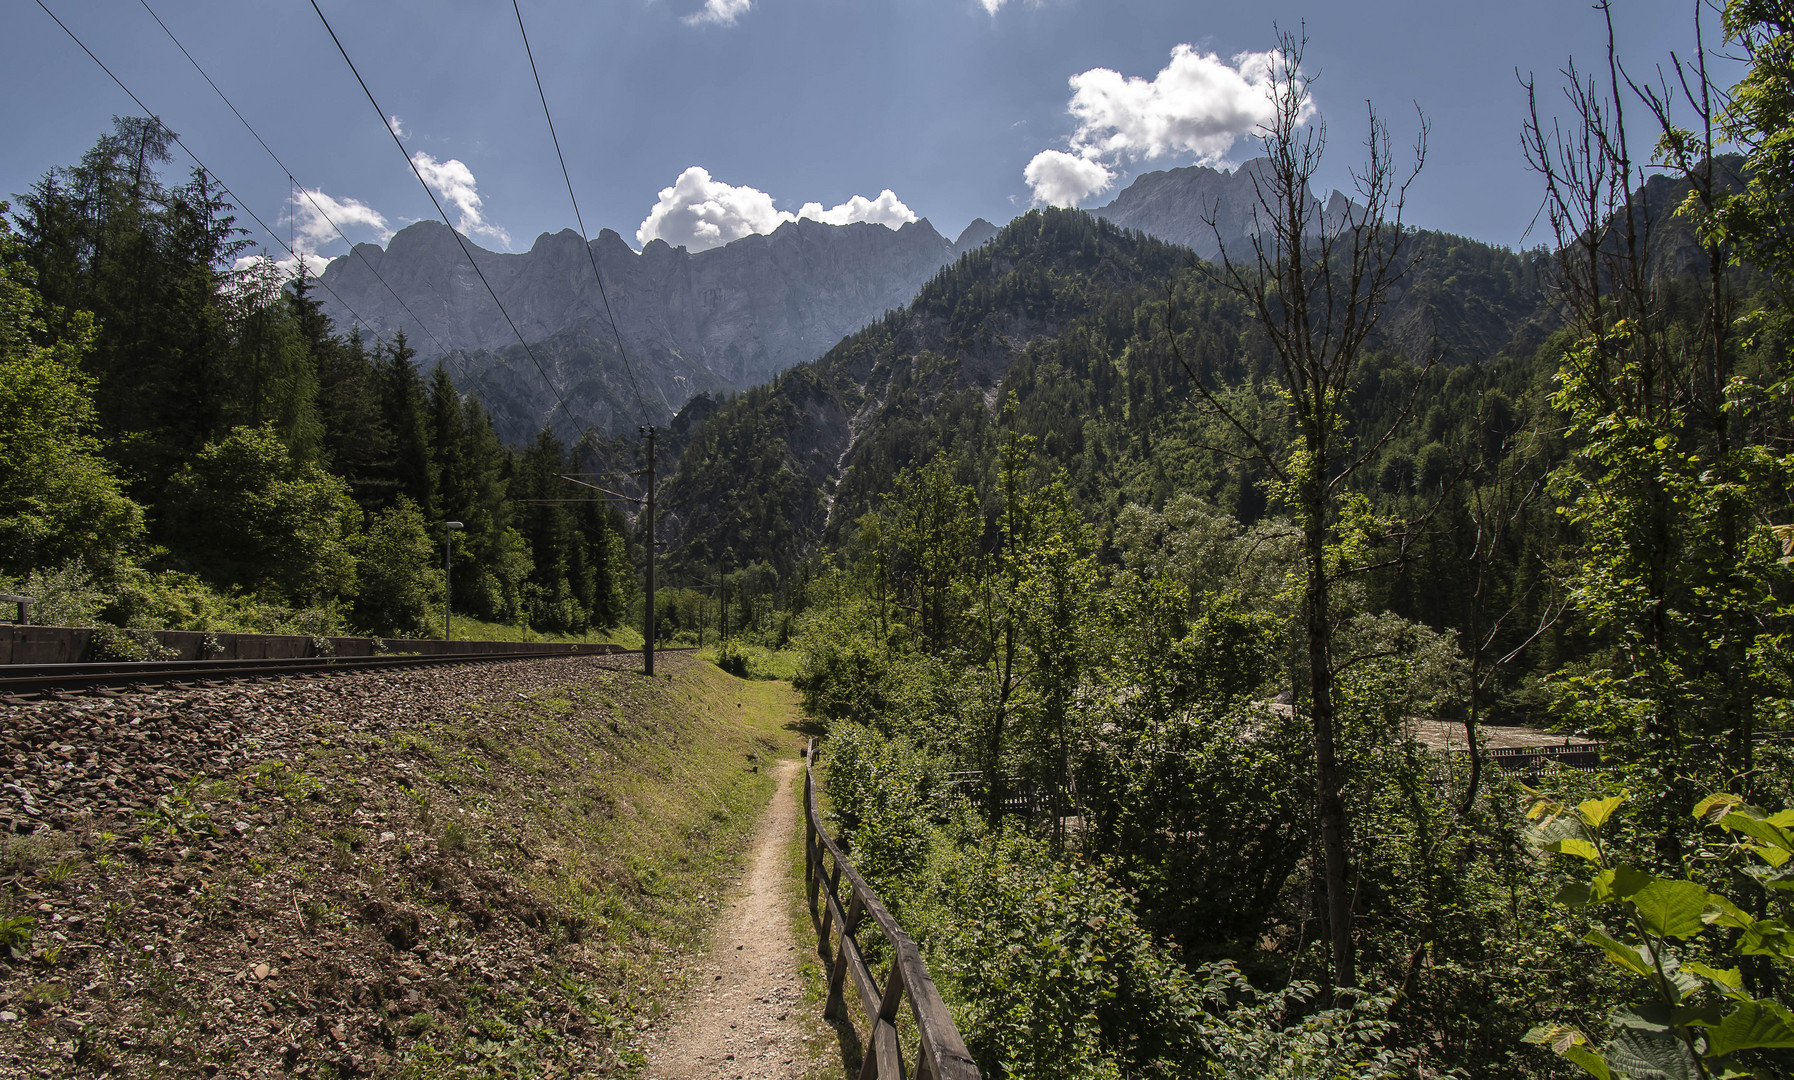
{"x":8,"y":1017}
{"x":261,"y":971}
{"x":387,"y":838}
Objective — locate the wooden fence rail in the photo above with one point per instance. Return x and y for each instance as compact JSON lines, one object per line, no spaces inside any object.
{"x":940,"y":1054}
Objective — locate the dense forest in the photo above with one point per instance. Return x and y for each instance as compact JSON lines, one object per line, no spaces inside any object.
{"x":187,"y":443}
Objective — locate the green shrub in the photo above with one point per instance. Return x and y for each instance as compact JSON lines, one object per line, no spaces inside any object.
{"x":732,"y":660}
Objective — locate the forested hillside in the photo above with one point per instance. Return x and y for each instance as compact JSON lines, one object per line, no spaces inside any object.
{"x":192,"y":445}
{"x":1071,"y":315}
{"x":1070,"y":319}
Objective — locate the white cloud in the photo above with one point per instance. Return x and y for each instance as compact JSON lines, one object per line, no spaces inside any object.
{"x":719,"y":12}
{"x":699,"y":212}
{"x":1198,"y":104}
{"x":991,"y":7}
{"x":397,"y":128}
{"x":1061,"y":179}
{"x":311,"y":212}
{"x":454,"y":181}
{"x":264,"y":267}
{"x":885,"y":210}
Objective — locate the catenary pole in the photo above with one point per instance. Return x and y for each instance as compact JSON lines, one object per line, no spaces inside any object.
{"x":648,"y":620}
{"x":448,"y":579}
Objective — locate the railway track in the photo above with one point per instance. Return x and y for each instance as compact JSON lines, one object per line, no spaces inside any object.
{"x":36,"y":678}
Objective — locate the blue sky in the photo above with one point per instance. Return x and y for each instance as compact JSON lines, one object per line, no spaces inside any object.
{"x":782,"y":103}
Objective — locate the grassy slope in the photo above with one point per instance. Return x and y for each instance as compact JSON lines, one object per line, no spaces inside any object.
{"x":642,"y":836}
{"x":468,"y":628}
{"x":554,"y":860}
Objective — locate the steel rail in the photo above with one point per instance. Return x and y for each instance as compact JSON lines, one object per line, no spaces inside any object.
{"x":25,"y":678}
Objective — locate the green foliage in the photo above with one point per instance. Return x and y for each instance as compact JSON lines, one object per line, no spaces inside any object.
{"x":1045,"y":961}
{"x":113,"y":643}
{"x":400,"y":587}
{"x":1699,"y":963}
{"x":175,"y":600}
{"x":879,"y":793}
{"x":59,"y":499}
{"x":65,"y":596}
{"x":732,"y":660}
{"x":1056,"y":976}
{"x":1757,"y":117}
{"x":251,"y":513}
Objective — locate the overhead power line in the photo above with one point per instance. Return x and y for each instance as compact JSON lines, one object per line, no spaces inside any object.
{"x":283,"y":168}
{"x":459,"y":240}
{"x":147,"y":111}
{"x":641,"y":407}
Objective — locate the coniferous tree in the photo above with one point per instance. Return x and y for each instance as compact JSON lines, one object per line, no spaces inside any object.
{"x":411,"y":470}
{"x":356,"y":440}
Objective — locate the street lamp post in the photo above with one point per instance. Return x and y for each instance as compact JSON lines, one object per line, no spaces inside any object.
{"x":448,"y":591}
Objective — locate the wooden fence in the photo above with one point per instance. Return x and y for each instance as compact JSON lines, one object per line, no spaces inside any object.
{"x":1582,"y":757}
{"x":1021,"y":797}
{"x":940,"y":1052}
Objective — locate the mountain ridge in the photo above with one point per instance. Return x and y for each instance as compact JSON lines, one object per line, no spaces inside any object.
{"x":724,"y":318}
{"x":1068,"y":312}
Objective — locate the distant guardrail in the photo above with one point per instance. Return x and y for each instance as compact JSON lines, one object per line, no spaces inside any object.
{"x":940,"y":1054}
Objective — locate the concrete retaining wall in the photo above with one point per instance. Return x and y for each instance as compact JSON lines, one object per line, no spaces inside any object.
{"x":69,"y":645}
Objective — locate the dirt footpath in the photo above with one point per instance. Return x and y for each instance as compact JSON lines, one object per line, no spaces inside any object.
{"x":742,"y":1021}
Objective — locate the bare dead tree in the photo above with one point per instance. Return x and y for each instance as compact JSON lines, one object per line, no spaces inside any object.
{"x":1317,"y":285}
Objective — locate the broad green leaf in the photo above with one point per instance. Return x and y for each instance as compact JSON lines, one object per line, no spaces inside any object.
{"x":1754,"y":826}
{"x":1646,"y":1056}
{"x":1716,"y":805}
{"x":1618,"y":883}
{"x":1697,"y":1016}
{"x":1572,"y":1045}
{"x":1645,"y":1018}
{"x":1753,"y":1025}
{"x":1782,"y":820}
{"x":1725,"y":978}
{"x":1766,"y":937}
{"x":1575,"y":845}
{"x":1722,"y":912}
{"x":1672,"y":908}
{"x":1597,"y":811}
{"x":1590,"y":1061}
{"x":1626,"y":956}
{"x":1774,"y":856}
{"x":1575,"y":894}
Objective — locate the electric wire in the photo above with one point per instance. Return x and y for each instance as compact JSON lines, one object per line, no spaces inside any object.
{"x":147,"y":111}
{"x":283,"y":168}
{"x":641,"y":406}
{"x":421,"y":325}
{"x":565,"y":411}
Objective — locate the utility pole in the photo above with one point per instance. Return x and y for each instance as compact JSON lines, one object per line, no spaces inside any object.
{"x":448,"y":581}
{"x":648,"y":620}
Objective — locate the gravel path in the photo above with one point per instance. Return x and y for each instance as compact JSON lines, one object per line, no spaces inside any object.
{"x":741,"y":1022}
